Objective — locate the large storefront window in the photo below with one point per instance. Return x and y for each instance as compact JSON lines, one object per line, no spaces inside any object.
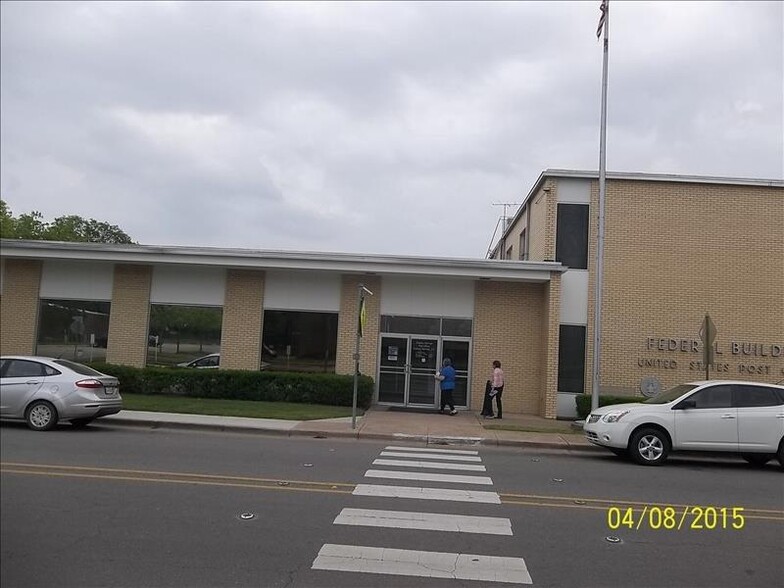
{"x":180,"y":334}
{"x":299,"y":341}
{"x":73,"y":329}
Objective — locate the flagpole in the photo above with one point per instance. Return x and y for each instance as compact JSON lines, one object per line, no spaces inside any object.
{"x":597,"y":316}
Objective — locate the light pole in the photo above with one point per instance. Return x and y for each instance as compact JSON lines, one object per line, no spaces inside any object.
{"x":360,"y":327}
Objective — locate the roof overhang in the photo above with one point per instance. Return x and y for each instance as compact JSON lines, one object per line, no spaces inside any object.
{"x":346,"y":263}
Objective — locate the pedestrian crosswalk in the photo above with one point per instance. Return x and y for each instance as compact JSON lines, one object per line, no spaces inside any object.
{"x":431,"y":564}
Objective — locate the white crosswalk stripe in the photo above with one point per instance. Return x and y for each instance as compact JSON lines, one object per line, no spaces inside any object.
{"x":429,"y":477}
{"x":443,"y":456}
{"x":424,"y":521}
{"x":429,"y":564}
{"x":447,"y":494}
{"x":431,"y":450}
{"x":467,"y":467}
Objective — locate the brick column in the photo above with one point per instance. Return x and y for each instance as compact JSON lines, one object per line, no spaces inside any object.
{"x":130,"y":315}
{"x":551,"y":341}
{"x":19,"y":305}
{"x":243,"y":317}
{"x":347,"y":326}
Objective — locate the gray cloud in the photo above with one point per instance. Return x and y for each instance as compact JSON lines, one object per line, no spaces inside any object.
{"x":367,"y":127}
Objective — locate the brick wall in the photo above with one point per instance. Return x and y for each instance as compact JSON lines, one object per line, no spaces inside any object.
{"x":19,"y":305}
{"x":508,"y":324}
{"x":542,"y":210}
{"x":129,"y":315}
{"x":243,"y":316}
{"x":674,"y":252}
{"x":347,"y":326}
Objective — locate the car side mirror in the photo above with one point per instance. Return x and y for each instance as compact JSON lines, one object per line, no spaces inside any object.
{"x":684,"y":404}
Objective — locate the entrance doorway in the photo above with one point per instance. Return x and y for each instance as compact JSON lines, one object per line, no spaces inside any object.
{"x":407,"y":364}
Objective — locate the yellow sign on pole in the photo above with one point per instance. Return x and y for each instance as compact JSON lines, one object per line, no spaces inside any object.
{"x":362,"y":316}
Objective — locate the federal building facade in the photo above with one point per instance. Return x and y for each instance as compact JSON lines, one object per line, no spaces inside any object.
{"x":676,"y":248}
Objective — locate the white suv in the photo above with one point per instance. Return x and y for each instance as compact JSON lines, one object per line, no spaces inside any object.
{"x":723,"y":416}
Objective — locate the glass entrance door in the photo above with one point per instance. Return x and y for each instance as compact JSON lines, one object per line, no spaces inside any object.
{"x":406,"y":368}
{"x":423,"y":365}
{"x":459,"y":351}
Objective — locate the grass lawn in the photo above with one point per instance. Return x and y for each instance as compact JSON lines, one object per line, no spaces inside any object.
{"x":239,"y":408}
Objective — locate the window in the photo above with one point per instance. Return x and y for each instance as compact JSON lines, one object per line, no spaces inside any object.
{"x":421,"y":325}
{"x":713,"y":397}
{"x":296,"y":341}
{"x":19,"y":368}
{"x":73,"y":329}
{"x":751,"y":396}
{"x":181,"y":333}
{"x":571,"y":358}
{"x":523,"y":246}
{"x":571,"y":241}
{"x":509,"y":253}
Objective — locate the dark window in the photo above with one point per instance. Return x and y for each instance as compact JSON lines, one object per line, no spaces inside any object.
{"x":73,"y":329}
{"x":410,"y":324}
{"x":749,"y":396}
{"x":420,"y":325}
{"x":713,"y":397}
{"x":297,"y":341}
{"x":523,"y":246}
{"x":456,"y":327}
{"x":571,"y":359}
{"x":18,"y":368}
{"x":571,"y":241}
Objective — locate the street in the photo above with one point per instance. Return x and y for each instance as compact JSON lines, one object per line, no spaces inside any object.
{"x":122,"y":506}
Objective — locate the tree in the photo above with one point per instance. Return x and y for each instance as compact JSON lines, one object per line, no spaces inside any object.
{"x":63,"y":228}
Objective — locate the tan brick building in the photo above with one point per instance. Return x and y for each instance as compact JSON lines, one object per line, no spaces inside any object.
{"x":676,"y":248}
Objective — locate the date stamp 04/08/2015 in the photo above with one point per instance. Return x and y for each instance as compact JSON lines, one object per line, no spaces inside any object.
{"x":676,"y":518}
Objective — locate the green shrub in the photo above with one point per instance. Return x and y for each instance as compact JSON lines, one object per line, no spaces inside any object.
{"x":583,"y":402}
{"x":309,"y":388}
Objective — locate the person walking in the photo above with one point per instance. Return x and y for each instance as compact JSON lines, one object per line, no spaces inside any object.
{"x":496,"y":391}
{"x":447,"y":378}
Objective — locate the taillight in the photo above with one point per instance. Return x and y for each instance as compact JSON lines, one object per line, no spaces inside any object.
{"x":89,"y":384}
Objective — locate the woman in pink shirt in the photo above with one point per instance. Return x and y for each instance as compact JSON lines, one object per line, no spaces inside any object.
{"x":497,"y":389}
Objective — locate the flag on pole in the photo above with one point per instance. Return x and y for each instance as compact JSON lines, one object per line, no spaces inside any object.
{"x":603,"y":8}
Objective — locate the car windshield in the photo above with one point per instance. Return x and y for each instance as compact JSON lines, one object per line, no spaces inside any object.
{"x":671,"y":394}
{"x":78,"y":368}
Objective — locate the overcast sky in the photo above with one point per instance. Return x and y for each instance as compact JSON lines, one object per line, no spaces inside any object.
{"x":368,"y":127}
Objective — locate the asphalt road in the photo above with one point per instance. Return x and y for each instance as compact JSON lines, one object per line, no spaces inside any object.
{"x":114,"y":506}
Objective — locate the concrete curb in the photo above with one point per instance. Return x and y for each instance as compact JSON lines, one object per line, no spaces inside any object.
{"x":441,"y":440}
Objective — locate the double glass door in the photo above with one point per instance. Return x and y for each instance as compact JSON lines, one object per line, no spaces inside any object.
{"x":407,"y":365}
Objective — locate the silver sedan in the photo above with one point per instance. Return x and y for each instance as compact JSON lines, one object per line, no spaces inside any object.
{"x":43,"y":391}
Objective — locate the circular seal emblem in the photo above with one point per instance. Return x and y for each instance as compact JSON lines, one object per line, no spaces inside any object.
{"x":650,"y":386}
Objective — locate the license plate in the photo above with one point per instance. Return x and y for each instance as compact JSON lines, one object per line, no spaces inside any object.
{"x":111,"y":391}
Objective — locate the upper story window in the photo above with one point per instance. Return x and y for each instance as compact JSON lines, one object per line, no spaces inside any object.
{"x":571,"y":241}
{"x":523,"y":246}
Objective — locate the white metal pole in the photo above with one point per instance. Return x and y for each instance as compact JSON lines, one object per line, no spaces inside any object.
{"x":361,"y":294}
{"x":597,"y":316}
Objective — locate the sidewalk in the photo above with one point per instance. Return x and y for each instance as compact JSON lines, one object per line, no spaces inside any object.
{"x":379,"y":422}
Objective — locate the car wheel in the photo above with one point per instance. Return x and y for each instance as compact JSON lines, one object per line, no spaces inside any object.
{"x":81,"y":423}
{"x":649,"y":447}
{"x":757,"y":459}
{"x":41,"y":416}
